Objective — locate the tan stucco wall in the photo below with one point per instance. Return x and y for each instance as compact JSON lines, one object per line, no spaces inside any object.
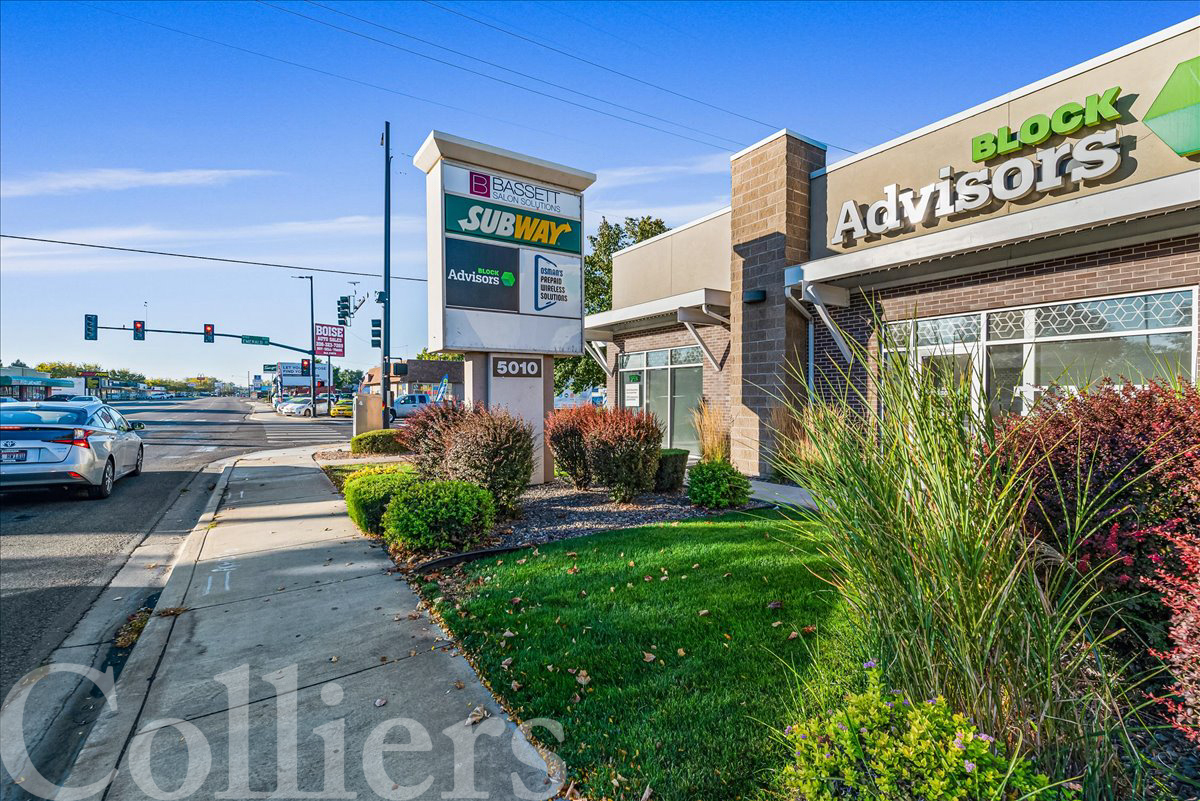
{"x":915,"y":163}
{"x":695,"y":257}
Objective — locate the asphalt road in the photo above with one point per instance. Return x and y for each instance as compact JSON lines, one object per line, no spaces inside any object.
{"x":58,"y":551}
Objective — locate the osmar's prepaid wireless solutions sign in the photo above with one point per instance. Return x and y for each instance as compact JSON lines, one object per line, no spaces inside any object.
{"x":505,"y":250}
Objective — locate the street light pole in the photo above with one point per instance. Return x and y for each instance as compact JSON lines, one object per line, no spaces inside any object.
{"x":312,"y":350}
{"x":385,"y":384}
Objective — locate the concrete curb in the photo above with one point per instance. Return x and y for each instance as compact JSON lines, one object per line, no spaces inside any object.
{"x":106,"y":743}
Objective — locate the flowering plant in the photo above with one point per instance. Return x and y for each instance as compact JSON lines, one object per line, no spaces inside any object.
{"x":885,"y":747}
{"x":1181,"y":595}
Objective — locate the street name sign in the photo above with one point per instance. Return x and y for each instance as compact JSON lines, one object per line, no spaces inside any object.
{"x":253,"y":340}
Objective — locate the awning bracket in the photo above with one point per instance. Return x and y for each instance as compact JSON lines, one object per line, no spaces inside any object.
{"x":691,"y":327}
{"x":592,"y":350}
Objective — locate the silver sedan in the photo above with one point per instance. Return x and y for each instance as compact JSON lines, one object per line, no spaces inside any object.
{"x":71,"y":444}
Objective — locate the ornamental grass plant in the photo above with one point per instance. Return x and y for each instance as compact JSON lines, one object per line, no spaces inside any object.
{"x":925,"y":531}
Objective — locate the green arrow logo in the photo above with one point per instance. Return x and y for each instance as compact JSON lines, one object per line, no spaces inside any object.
{"x":1174,"y":116}
{"x":507,"y":279}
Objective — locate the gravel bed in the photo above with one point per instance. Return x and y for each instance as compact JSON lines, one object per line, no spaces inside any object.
{"x":557,"y":511}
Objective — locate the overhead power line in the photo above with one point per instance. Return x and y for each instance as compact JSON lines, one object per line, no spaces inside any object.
{"x":606,"y":68}
{"x":206,"y":258}
{"x":462,"y":54}
{"x":479,"y":74}
{"x":598,"y":65}
{"x":326,"y":73}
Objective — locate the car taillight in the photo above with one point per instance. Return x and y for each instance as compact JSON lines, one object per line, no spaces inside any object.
{"x":79,"y":438}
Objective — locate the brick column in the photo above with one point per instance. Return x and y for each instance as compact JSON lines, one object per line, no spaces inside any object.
{"x":770,"y":199}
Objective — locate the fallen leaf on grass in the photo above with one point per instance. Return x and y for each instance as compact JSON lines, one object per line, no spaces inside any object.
{"x":727,"y":575}
{"x":571,"y":554}
{"x":572,"y":570}
{"x":477,"y":714}
{"x":649,"y":792}
{"x":508,"y":633}
{"x":777,"y":624}
{"x":696,"y":566}
{"x":521,"y":561}
{"x":703,"y":613}
{"x":649,"y":578}
{"x":775,"y":605}
{"x":516,"y":601}
{"x":516,"y":685}
{"x":583,"y":678}
{"x":506,"y":663}
{"x":648,"y":657}
{"x":793,"y":635}
{"x":809,"y":629}
{"x":680,"y":652}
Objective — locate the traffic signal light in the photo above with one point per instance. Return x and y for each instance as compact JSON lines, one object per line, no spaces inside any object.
{"x":91,"y":326}
{"x":343,"y":310}
{"x":305,"y":367}
{"x":399,"y":368}
{"x":139,"y":329}
{"x":210,"y":333}
{"x":376,"y":333}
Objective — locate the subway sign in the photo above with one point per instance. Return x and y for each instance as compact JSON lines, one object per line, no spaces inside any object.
{"x":1059,"y":167}
{"x":478,"y":218}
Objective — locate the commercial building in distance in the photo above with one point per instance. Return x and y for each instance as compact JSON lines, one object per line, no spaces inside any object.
{"x":1049,"y":236}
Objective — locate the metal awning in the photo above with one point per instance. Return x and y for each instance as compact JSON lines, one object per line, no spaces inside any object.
{"x":696,"y":307}
{"x":34,"y":381}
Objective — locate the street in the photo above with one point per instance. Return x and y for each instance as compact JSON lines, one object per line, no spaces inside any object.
{"x":58,"y":551}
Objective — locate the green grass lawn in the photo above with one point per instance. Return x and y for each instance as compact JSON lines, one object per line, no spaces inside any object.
{"x":694,"y":721}
{"x":337,"y":472}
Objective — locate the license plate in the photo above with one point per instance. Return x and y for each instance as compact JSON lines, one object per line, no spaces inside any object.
{"x":13,"y":456}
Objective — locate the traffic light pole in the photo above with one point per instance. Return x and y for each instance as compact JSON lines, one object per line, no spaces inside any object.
{"x":200,"y":334}
{"x":385,"y":384}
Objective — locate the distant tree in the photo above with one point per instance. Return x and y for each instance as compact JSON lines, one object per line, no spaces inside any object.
{"x":65,"y":369}
{"x":18,"y":363}
{"x":426,"y":356}
{"x":121,"y":374}
{"x":347,"y":378}
{"x":580,"y":373}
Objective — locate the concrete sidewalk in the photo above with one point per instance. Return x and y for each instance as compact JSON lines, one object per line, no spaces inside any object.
{"x":781,"y":494}
{"x":301,"y":665}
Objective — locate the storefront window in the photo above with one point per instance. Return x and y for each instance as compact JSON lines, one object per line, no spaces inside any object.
{"x":669,"y":384}
{"x":1012,"y":356}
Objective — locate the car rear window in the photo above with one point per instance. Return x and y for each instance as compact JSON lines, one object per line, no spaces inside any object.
{"x":29,"y":416}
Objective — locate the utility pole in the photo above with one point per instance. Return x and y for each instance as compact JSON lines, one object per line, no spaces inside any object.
{"x":385,"y":384}
{"x":312,"y":348}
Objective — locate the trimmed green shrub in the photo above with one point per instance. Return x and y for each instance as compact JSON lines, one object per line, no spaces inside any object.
{"x":494,"y":450}
{"x":367,"y":498}
{"x":383,"y":441}
{"x":672,"y":464}
{"x":717,"y":485}
{"x":622,"y":452}
{"x":426,"y":434}
{"x":438,"y":515}
{"x":885,"y":747}
{"x":565,"y":430}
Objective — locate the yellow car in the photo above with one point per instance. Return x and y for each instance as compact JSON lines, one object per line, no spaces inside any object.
{"x":343,"y":408}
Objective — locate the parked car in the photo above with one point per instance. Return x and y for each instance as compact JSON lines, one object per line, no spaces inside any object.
{"x":304,"y":407}
{"x":280,"y":400}
{"x":6,"y":399}
{"x":72,"y":444}
{"x":58,"y":397}
{"x":343,"y":408}
{"x":85,"y":399}
{"x":404,"y":405}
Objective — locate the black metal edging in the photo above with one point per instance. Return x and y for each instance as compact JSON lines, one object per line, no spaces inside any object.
{"x":450,"y":560}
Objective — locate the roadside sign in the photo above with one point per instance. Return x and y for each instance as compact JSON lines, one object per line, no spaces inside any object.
{"x":441,"y":391}
{"x":270,"y":368}
{"x":93,"y":374}
{"x":252,"y":340}
{"x":330,"y":340}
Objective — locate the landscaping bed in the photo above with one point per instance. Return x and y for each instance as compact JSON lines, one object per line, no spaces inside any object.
{"x":557,"y":511}
{"x":666,"y":652}
{"x":338,"y":472}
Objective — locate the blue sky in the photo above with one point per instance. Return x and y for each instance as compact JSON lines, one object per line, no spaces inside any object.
{"x":118,"y":132}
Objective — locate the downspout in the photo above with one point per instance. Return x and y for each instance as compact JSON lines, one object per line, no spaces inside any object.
{"x":704,"y":308}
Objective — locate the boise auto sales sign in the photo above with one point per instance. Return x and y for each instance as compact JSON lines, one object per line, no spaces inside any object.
{"x":511,"y":254}
{"x":330,"y":339}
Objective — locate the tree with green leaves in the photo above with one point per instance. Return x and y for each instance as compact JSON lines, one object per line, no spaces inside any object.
{"x":426,"y":356}
{"x":66,"y":369}
{"x":344,"y":377}
{"x":580,"y":373}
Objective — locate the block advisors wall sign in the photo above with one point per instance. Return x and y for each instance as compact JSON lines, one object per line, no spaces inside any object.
{"x":480,"y":275}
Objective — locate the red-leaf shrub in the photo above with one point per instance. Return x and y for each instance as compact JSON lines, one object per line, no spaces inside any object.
{"x":426,"y":435}
{"x":622,"y":452}
{"x":1181,"y":595}
{"x":565,"y":432}
{"x":493,"y":449}
{"x":1115,"y":470}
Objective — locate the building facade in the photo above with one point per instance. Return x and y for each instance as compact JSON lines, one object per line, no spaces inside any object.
{"x":1049,"y":237}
